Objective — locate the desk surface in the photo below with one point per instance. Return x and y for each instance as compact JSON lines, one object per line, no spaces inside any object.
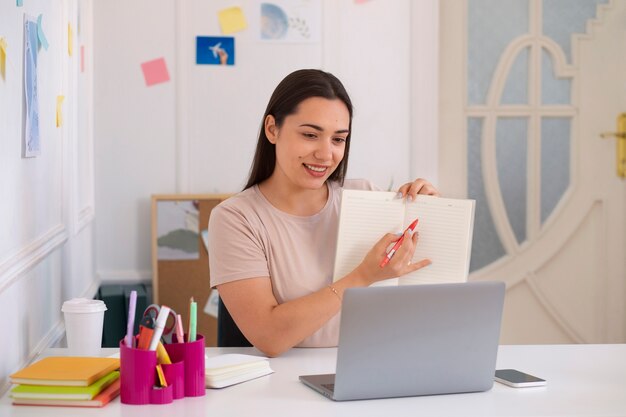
{"x":583,"y":380}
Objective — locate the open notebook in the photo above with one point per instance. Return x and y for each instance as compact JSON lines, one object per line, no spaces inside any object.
{"x":445,"y":232}
{"x":233,"y":368}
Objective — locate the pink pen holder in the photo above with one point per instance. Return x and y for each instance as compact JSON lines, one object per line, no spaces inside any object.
{"x":175,"y":376}
{"x":192,"y":355}
{"x":138,"y":377}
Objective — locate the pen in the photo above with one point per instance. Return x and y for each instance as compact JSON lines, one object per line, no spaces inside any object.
{"x":131,"y":318}
{"x":159,"y":326}
{"x":192,"y":321}
{"x":395,"y":247}
{"x":180,"y":335}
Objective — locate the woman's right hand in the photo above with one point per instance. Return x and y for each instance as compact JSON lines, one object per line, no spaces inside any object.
{"x":400,"y":264}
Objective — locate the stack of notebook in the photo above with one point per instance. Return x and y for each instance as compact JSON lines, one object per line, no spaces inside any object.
{"x":67,"y":381}
{"x":229,"y":369}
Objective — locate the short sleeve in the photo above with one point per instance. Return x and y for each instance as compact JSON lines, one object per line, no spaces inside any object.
{"x":236,"y":249}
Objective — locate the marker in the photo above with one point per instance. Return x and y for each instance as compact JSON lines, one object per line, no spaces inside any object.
{"x":159,"y":326}
{"x":180,"y":335}
{"x":162,"y":380}
{"x":193,"y":308}
{"x":131,"y":319}
{"x":395,"y":247}
{"x":146,"y":330}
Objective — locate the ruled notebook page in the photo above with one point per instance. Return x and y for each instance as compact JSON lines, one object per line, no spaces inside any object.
{"x":445,"y":233}
{"x":365,"y":216}
{"x":445,"y":237}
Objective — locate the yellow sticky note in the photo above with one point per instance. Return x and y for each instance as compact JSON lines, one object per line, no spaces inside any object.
{"x":70,"y":41}
{"x":3,"y":58}
{"x":60,"y":110}
{"x":232,"y":20}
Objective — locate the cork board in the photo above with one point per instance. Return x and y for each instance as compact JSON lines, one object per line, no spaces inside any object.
{"x":180,"y":261}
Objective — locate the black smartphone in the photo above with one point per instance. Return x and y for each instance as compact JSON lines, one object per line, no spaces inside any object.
{"x":517,"y":379}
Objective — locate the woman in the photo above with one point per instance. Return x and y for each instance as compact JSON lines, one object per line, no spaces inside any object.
{"x":272,"y":246}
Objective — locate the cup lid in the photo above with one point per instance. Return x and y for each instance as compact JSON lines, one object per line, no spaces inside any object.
{"x":83,"y":305}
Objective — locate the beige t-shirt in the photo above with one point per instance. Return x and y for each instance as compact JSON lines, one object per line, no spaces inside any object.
{"x":249,"y":237}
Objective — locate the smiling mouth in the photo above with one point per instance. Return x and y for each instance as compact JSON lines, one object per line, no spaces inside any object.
{"x":316,"y":168}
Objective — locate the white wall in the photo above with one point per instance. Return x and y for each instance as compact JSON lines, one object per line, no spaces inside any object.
{"x":197,"y":133}
{"x":135,"y":142}
{"x":46,"y":203}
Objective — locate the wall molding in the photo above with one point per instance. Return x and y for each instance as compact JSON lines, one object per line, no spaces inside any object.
{"x":85,"y":217}
{"x":13,"y":266}
{"x":81,"y":143}
{"x":124,"y":276}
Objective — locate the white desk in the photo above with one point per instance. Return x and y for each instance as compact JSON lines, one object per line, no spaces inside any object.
{"x":583,"y":380}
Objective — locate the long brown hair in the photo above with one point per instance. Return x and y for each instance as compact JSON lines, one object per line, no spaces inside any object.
{"x":290,"y":92}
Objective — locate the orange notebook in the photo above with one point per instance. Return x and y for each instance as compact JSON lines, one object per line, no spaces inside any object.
{"x":99,"y":400}
{"x":65,"y":370}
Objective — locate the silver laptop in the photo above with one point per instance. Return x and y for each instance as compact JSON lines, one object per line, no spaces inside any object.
{"x":415,"y":340}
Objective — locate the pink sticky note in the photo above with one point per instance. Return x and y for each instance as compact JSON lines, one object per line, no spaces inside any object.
{"x":155,"y":71}
{"x":82,"y":58}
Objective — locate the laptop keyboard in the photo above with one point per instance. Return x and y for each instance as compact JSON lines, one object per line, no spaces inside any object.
{"x":330,"y":387}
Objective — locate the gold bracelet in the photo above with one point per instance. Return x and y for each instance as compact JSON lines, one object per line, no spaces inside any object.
{"x":334,"y":290}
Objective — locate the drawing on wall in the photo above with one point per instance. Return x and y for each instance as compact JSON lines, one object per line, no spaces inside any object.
{"x":290,"y":21}
{"x":43,"y":41}
{"x":215,"y":50}
{"x":177,"y":230}
{"x":31,"y":124}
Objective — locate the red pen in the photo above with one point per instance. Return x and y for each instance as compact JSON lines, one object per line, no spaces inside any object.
{"x":395,"y":247}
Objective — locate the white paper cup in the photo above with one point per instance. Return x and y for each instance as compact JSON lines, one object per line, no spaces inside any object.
{"x":84,"y":319}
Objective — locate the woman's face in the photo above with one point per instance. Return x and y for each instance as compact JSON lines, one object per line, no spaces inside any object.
{"x":311,"y":142}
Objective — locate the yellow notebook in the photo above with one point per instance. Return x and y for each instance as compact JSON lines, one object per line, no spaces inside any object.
{"x":66,"y":371}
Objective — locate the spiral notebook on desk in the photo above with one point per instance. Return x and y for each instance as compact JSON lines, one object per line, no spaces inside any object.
{"x":445,"y":233}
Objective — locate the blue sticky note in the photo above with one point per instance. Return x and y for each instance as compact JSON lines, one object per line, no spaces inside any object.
{"x":40,"y":34}
{"x":215,"y":50}
{"x":19,"y":3}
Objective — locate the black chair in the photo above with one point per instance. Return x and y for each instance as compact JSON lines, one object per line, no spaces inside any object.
{"x":228,"y":334}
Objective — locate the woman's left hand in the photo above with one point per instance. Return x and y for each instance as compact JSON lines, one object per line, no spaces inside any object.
{"x":419,"y":186}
